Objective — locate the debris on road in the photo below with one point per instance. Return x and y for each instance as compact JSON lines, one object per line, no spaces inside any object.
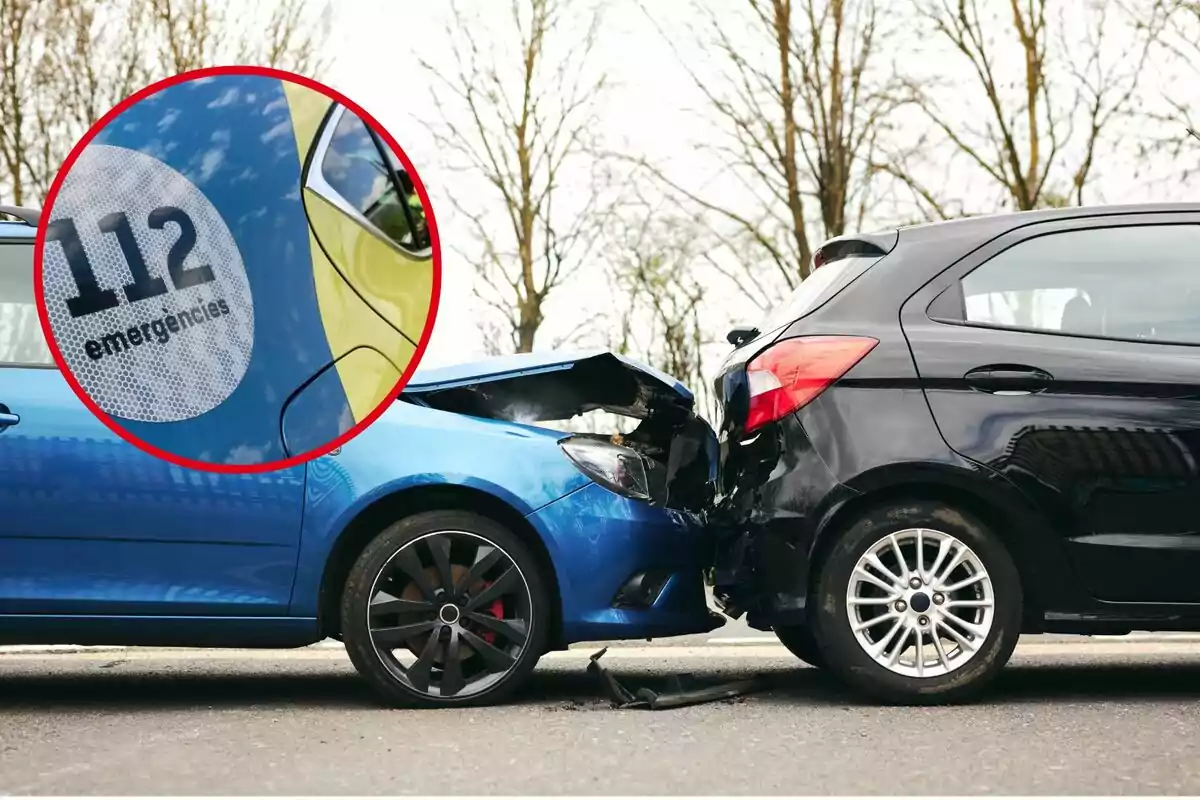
{"x":679,"y":694}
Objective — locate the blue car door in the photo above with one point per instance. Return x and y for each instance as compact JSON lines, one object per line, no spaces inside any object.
{"x":91,"y":525}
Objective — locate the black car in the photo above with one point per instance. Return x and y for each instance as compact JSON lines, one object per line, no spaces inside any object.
{"x":952,"y":434}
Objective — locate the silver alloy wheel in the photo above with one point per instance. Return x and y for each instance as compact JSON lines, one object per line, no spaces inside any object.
{"x":450,"y":614}
{"x":920,"y":603}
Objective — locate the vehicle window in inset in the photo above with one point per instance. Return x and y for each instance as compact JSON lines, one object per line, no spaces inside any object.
{"x":416,"y":210}
{"x":1140,"y":283}
{"x":368,"y":177}
{"x":21,"y":340}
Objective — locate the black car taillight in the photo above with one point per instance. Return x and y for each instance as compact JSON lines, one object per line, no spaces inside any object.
{"x":793,"y":372}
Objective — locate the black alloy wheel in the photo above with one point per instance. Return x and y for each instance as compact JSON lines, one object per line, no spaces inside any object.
{"x":445,"y":608}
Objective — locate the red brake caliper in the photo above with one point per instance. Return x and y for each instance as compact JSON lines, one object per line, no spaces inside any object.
{"x":496,"y":609}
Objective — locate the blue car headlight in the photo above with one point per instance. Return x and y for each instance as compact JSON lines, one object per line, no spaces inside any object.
{"x":620,"y":469}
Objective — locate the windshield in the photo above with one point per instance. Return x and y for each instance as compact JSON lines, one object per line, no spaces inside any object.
{"x":814,"y":290}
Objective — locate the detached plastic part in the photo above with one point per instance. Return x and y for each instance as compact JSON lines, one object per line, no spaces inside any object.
{"x":679,"y":695}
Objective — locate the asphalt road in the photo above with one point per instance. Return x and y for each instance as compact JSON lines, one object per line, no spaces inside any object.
{"x":1100,"y":718}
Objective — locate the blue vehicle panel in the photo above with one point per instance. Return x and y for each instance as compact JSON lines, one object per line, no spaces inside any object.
{"x":94,"y":525}
{"x":412,"y":447}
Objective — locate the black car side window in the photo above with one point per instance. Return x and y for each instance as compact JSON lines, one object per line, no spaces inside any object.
{"x":366,"y":175}
{"x":21,"y":340}
{"x":1139,"y":283}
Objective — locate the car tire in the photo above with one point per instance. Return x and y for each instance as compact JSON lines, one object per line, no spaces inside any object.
{"x":799,"y":639}
{"x":965,"y":655}
{"x":415,"y":582}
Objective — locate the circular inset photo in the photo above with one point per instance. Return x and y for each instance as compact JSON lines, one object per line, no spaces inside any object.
{"x":237,"y":269}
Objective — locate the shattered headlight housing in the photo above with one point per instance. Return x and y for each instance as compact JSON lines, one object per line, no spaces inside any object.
{"x":620,"y":469}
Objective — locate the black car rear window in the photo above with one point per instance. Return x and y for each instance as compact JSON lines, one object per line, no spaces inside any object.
{"x":822,"y":284}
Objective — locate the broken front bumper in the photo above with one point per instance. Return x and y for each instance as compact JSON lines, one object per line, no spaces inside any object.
{"x":627,"y":569}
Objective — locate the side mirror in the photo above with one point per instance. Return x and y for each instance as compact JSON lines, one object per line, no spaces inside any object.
{"x":741,"y":334}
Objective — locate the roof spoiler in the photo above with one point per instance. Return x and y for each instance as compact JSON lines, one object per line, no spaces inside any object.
{"x":855,"y":244}
{"x":29,"y":216}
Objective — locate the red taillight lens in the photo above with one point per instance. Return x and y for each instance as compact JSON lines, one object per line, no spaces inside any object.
{"x":792,"y":373}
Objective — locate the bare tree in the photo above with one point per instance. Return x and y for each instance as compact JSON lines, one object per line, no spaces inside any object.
{"x":199,"y":33}
{"x":653,"y":273}
{"x":801,"y":98}
{"x":1178,"y":102}
{"x":1049,"y":90}
{"x":517,"y":113}
{"x":64,"y":63}
{"x":92,"y":61}
{"x":20,"y":21}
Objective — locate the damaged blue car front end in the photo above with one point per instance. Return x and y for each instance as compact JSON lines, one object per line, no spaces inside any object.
{"x":629,"y":548}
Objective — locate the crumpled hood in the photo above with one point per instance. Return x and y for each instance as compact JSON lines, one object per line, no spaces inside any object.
{"x":535,"y":387}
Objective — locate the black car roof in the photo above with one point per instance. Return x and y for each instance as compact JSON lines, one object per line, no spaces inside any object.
{"x":994,"y":224}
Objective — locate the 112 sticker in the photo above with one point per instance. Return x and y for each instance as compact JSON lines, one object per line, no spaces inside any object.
{"x":146,"y":293}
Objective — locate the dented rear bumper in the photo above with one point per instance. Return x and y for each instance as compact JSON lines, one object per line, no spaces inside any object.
{"x":778,"y":496}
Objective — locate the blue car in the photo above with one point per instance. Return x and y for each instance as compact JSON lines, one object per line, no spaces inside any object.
{"x":449,"y":546}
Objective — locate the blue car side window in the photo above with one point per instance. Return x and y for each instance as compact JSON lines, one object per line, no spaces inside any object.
{"x":21,"y":339}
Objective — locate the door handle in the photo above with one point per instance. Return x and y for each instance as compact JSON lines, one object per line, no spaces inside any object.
{"x":1008,"y":379}
{"x":7,"y":418}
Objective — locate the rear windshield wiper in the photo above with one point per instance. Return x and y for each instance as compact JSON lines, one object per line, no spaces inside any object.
{"x":742,"y":334}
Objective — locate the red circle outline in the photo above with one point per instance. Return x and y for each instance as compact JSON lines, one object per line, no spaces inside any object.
{"x":40,"y":296}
